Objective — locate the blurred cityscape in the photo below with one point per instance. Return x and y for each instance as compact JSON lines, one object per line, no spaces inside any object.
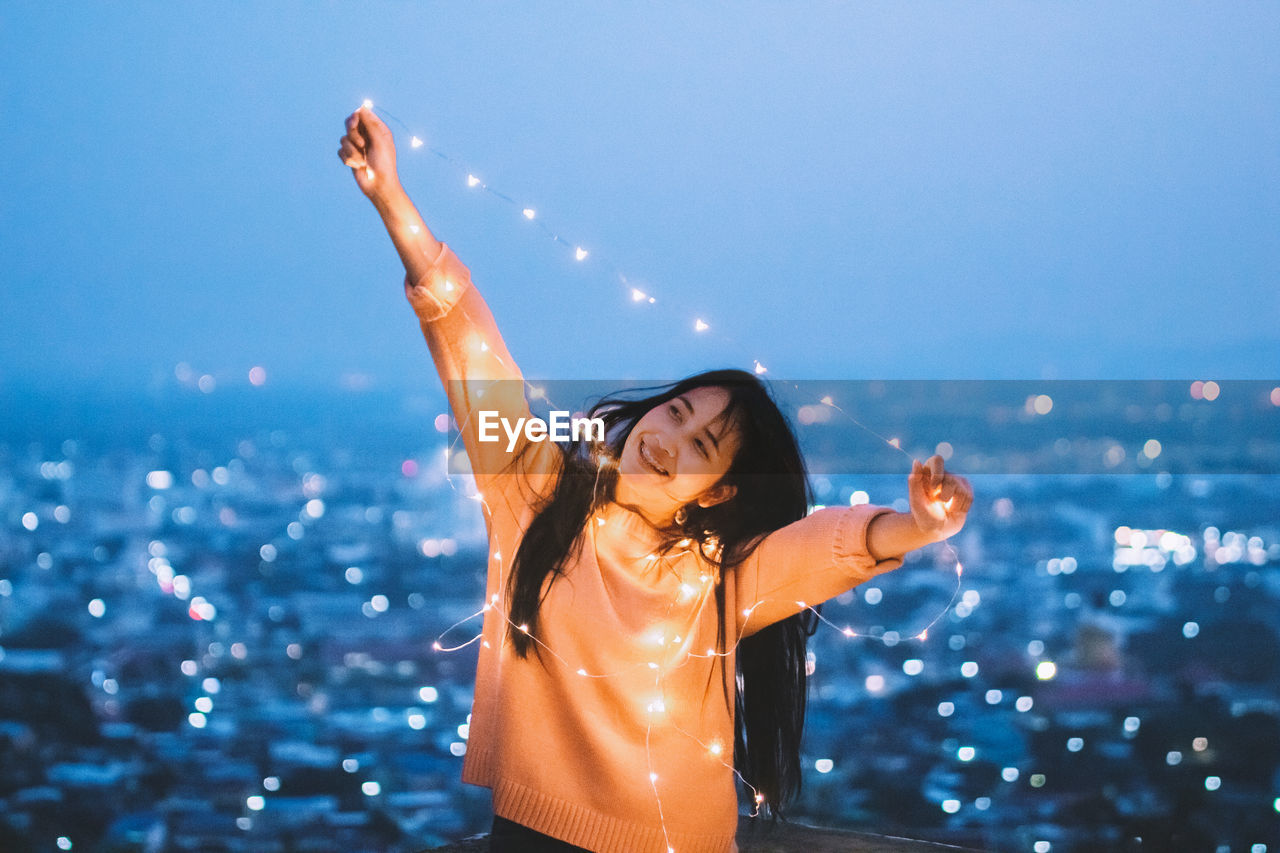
{"x":218,"y":608}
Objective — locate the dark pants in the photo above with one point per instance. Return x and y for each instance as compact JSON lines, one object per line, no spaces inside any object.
{"x":509,"y":837}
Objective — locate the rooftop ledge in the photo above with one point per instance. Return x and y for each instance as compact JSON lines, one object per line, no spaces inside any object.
{"x":782,"y":838}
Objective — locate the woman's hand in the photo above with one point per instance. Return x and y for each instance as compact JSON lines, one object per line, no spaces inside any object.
{"x":939,"y":500}
{"x":369,"y":148}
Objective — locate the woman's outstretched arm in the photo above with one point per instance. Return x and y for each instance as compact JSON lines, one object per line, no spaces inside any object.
{"x":470,"y":356}
{"x":939,"y":502}
{"x":369,"y":148}
{"x":834,"y":549}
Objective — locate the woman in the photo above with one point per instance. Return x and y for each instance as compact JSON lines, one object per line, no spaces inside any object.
{"x":646,"y":600}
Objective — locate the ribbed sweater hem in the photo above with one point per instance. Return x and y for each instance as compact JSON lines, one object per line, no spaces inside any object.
{"x":581,"y":826}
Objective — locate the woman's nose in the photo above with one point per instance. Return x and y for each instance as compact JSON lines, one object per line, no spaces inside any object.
{"x":662,"y":445}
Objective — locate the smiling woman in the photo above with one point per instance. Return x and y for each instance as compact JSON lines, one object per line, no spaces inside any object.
{"x":649,"y":594}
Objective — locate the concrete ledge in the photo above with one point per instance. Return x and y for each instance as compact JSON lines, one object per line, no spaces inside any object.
{"x":782,"y":838}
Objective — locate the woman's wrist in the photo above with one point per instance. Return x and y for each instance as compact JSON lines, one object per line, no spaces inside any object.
{"x":391,"y":202}
{"x":892,"y":534}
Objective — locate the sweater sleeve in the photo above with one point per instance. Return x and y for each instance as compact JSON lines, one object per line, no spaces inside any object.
{"x":480,"y":378}
{"x":806,"y":563}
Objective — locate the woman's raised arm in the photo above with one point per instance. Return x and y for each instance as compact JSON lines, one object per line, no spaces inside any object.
{"x":477,"y":371}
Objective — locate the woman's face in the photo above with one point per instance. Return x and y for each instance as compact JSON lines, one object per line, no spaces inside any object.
{"x":676,"y":454}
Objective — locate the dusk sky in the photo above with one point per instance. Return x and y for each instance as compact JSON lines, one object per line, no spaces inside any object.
{"x":840,"y":190}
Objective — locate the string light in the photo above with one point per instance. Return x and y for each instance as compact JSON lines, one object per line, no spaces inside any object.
{"x":685,"y":591}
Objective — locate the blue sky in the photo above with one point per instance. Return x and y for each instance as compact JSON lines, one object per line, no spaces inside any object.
{"x":842,"y":190}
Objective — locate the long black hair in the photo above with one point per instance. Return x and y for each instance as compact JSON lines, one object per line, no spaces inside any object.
{"x":772,"y":490}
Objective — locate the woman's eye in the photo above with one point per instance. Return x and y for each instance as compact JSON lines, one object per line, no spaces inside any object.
{"x":702,"y":448}
{"x":675,"y":413}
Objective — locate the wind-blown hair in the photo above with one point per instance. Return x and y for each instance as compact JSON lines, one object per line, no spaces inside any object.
{"x":772,"y":490}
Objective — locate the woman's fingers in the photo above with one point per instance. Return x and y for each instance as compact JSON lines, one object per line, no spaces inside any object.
{"x":354,"y":131}
{"x":935,"y":468}
{"x":370,"y":124}
{"x":349,"y":155}
{"x":947,"y":490}
{"x":962,"y":495}
{"x":353,"y":161}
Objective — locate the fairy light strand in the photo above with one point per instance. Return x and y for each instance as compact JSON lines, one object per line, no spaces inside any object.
{"x":495,"y":602}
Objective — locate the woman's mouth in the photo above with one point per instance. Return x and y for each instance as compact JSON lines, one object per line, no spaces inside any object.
{"x":646,"y":456}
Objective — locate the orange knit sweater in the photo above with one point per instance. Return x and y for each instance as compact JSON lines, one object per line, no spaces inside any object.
{"x":617,"y":738}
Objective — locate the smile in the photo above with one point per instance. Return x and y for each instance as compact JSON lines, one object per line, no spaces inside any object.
{"x":647,"y":458}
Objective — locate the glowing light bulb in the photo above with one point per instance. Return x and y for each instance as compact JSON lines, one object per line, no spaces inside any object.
{"x":524,"y":628}
{"x":366,"y":104}
{"x":699,"y":326}
{"x":715,"y":748}
{"x":472,"y":181}
{"x":414,"y":229}
{"x":529,"y":213}
{"x":760,"y":368}
{"x":580,"y":253}
{"x":436,"y":645}
{"x":582,"y":672}
{"x":827,"y":401}
{"x":849,"y":632}
{"x":368,"y":173}
{"x":415,"y":142}
{"x":653,"y":777}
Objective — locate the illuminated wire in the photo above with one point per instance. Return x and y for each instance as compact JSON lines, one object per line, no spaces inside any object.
{"x":636,"y":295}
